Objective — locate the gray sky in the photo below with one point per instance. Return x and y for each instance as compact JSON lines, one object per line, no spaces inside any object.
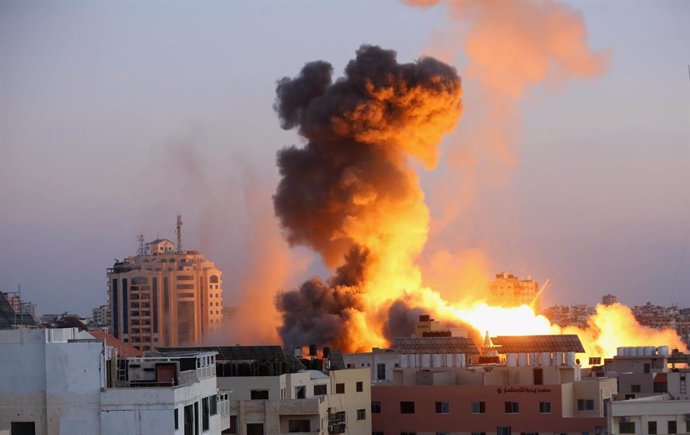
{"x":116,"y":116}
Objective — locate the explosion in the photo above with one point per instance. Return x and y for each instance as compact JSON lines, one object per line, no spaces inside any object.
{"x":351,"y":193}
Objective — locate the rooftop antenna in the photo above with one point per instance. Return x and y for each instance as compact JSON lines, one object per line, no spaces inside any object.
{"x":178,"y":232}
{"x":141,"y":249}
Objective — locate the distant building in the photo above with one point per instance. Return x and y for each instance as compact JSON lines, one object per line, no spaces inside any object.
{"x":14,"y":312}
{"x":428,"y":327}
{"x":164,"y":296}
{"x":509,"y":290}
{"x":609,"y":299}
{"x":100,"y":316}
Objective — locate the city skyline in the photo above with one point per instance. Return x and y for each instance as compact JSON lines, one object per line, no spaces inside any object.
{"x":109,"y":135}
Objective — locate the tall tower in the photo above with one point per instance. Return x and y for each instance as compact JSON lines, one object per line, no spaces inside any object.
{"x":164,"y":296}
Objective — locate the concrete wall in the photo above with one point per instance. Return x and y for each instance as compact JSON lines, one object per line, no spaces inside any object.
{"x":352,"y":400}
{"x":141,"y":411}
{"x":460,"y":419}
{"x":275,"y":414}
{"x":51,"y":382}
{"x":642,"y":411}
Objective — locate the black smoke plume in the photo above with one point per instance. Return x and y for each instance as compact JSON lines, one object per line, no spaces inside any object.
{"x":341,"y":191}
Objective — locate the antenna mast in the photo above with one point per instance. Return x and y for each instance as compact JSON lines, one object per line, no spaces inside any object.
{"x":178,"y":232}
{"x":141,"y":250}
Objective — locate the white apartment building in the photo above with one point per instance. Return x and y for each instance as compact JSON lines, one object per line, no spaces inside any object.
{"x":171,"y":394}
{"x":66,"y":382}
{"x":50,"y":381}
{"x":653,"y":391}
{"x":164,"y":296}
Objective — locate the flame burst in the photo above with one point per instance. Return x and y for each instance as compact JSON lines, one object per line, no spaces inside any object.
{"x":351,"y":195}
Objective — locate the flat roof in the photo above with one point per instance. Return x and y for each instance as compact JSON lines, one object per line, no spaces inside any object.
{"x":537,"y":343}
{"x":437,"y":345}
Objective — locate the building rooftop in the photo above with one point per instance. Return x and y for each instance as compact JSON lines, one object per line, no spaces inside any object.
{"x":537,"y":343}
{"x":437,"y":345}
{"x":124,"y":350}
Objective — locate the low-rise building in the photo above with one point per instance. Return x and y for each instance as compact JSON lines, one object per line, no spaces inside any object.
{"x":653,"y":391}
{"x":273,"y":393}
{"x":174,"y":393}
{"x":658,"y":414}
{"x":67,"y":382}
{"x":536,"y":387}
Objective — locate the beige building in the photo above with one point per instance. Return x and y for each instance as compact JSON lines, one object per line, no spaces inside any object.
{"x":509,"y":290}
{"x":164,"y":296}
{"x":273,"y":393}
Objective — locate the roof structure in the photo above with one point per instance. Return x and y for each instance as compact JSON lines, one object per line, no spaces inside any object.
{"x":124,"y":350}
{"x":537,"y":343}
{"x":437,"y":345}
{"x":236,"y":353}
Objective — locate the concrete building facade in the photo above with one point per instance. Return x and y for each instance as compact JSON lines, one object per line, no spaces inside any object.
{"x":50,"y":381}
{"x":66,"y":382}
{"x":509,"y":290}
{"x":270,"y":392}
{"x":164,"y":297}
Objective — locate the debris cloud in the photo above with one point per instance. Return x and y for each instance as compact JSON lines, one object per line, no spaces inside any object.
{"x":350,"y":194}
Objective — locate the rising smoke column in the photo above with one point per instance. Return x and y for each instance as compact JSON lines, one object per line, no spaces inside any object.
{"x":350,"y":194}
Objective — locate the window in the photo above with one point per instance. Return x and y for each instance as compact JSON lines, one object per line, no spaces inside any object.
{"x":672,"y":427}
{"x":442,"y":407}
{"x":255,"y":429}
{"x":512,"y":407}
{"x":381,"y":372}
{"x":478,"y":407}
{"x":651,"y":427}
{"x":538,"y":376}
{"x":361,"y":414}
{"x":185,"y":287}
{"x":214,"y":405}
{"x":503,"y":430}
{"x":408,"y":433}
{"x":339,"y":388}
{"x":233,"y":424}
{"x":259,"y":394}
{"x":204,"y":413}
{"x":320,"y":390}
{"x":23,"y":428}
{"x":359,"y":386}
{"x":478,"y":433}
{"x":635,"y":388}
{"x":545,"y":407}
{"x":585,"y":404}
{"x":175,"y":415}
{"x":407,"y":407}
{"x":375,"y":407}
{"x":299,"y":426}
{"x":626,"y":427}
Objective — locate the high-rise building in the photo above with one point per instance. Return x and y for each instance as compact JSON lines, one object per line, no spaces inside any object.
{"x":509,"y":290}
{"x":164,"y":296}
